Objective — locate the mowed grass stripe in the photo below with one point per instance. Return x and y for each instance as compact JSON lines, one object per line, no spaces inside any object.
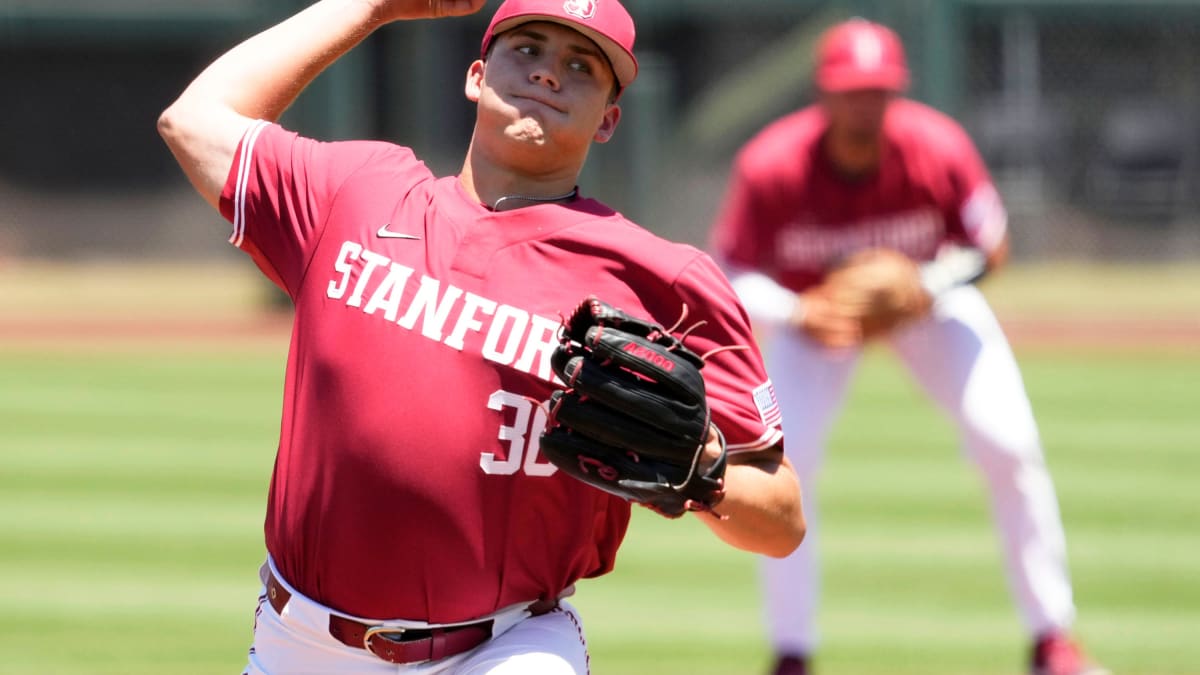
{"x":1105,"y":496}
{"x":126,"y":515}
{"x":125,"y":475}
{"x":126,"y":589}
{"x":61,"y":426}
{"x":226,"y":457}
{"x":46,"y":394}
{"x":180,"y":642}
{"x":92,"y":399}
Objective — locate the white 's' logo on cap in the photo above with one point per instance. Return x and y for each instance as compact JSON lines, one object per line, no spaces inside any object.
{"x":584,"y":9}
{"x":868,"y":52}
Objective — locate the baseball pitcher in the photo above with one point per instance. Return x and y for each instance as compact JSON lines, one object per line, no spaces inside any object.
{"x":486,"y":370}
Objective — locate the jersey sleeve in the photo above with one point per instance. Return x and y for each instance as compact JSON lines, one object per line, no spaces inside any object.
{"x":741,"y":396}
{"x":978,"y":209}
{"x":279,"y":192}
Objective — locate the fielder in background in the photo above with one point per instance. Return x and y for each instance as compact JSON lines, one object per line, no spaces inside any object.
{"x":414,"y":524}
{"x":820,"y":204}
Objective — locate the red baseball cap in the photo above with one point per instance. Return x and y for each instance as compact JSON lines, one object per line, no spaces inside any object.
{"x":860,"y":54}
{"x":604,"y":22}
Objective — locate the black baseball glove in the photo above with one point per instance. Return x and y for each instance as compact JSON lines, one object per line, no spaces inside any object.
{"x":633,"y":420}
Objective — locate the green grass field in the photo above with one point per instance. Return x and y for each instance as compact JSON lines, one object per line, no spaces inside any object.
{"x":133,"y":478}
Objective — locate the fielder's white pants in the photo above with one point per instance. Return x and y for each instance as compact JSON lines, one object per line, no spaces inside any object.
{"x":961,"y":358}
{"x":299,"y":643}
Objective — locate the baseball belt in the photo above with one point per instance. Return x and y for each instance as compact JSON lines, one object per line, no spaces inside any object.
{"x":399,"y":645}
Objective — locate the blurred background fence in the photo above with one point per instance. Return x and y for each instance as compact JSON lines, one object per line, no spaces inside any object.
{"x":1085,"y":110}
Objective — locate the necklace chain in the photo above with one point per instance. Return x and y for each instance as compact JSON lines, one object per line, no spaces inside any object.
{"x":564,"y":196}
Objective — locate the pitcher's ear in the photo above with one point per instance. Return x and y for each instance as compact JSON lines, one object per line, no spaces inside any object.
{"x":608,"y":125}
{"x":474,"y":83}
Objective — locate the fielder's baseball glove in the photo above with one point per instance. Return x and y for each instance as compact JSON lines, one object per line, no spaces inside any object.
{"x":633,"y":420}
{"x":879,"y":287}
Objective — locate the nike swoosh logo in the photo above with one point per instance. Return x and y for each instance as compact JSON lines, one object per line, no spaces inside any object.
{"x":385,"y":233}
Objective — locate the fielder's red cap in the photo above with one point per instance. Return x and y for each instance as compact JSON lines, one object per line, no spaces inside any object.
{"x":859,"y":54}
{"x":604,"y":22}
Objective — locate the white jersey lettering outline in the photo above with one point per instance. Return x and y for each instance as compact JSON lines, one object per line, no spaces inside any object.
{"x":467,"y":321}
{"x":520,"y":319}
{"x":513,"y":337}
{"x":374,"y":261}
{"x":428,"y":296}
{"x":806,"y":245}
{"x":345,"y":265}
{"x":390,"y":291}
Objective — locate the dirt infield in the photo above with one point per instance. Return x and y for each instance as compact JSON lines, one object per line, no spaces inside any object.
{"x":264,"y":332}
{"x":226,"y":305}
{"x":1182,"y":333}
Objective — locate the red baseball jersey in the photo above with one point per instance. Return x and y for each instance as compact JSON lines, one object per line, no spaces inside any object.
{"x":408,"y":482}
{"x":789,"y":214}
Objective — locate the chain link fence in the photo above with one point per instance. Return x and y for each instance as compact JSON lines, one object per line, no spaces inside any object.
{"x":1088,"y":121}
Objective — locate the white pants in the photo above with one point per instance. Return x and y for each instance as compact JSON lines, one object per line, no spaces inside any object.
{"x":299,"y":643}
{"x":961,"y":358}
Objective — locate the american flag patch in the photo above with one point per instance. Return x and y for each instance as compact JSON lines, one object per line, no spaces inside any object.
{"x":767,"y":404}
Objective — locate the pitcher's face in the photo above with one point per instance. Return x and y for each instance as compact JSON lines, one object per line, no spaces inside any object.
{"x":550,"y":83}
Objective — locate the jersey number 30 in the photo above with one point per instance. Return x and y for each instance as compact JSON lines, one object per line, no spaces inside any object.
{"x":522,"y":438}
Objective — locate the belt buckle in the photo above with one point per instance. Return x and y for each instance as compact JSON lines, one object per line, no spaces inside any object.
{"x":382,"y":631}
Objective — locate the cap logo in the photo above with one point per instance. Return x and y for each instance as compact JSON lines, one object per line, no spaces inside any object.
{"x":868,"y":52}
{"x":584,"y":9}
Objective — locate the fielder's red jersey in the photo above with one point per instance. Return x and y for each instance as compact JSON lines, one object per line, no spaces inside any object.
{"x":789,"y":214}
{"x":408,"y":482}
